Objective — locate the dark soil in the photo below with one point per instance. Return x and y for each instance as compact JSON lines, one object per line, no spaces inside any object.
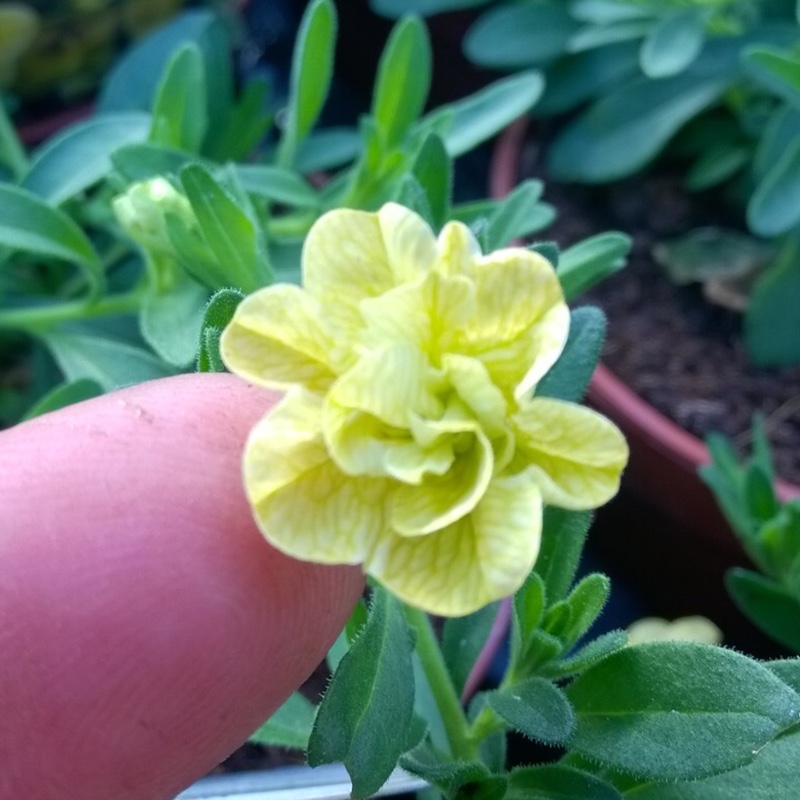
{"x":683,"y":355}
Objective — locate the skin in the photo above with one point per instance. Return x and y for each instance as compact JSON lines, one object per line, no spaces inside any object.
{"x":146,"y":627}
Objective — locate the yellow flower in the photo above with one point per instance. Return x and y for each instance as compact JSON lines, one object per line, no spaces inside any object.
{"x":410,"y":439}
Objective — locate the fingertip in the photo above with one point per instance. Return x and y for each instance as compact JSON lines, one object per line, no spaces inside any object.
{"x":146,"y":627}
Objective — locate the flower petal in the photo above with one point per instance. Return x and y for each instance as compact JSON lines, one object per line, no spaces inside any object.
{"x":302,"y":503}
{"x":577,"y":454}
{"x":352,"y":255}
{"x":277,"y":339}
{"x":458,"y":250}
{"x":522,"y":322}
{"x":440,"y":500}
{"x":481,"y":558}
{"x":390,"y":384}
{"x":418,"y":313}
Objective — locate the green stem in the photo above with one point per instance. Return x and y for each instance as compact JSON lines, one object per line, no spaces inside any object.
{"x":450,"y":710}
{"x":38,"y":318}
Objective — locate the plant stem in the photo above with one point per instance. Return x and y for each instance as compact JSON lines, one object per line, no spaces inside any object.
{"x":37,"y":318}
{"x":450,"y":710}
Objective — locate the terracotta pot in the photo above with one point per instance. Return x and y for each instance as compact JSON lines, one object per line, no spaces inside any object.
{"x":664,"y":457}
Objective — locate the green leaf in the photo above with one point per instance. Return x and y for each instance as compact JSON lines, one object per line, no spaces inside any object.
{"x":463,"y":639}
{"x":779,"y":135}
{"x":65,"y":394}
{"x":587,"y":656}
{"x":312,"y":71}
{"x":673,"y":43}
{"x":592,"y":260}
{"x":434,"y":172}
{"x":776,"y":70}
{"x":768,"y":606}
{"x":403,"y":81}
{"x":771,"y":323}
{"x":672,"y":711}
{"x":473,"y":120}
{"x":109,"y":363}
{"x":133,"y":81}
{"x":218,"y":313}
{"x":774,"y":207}
{"x":141,"y":162}
{"x":179,"y":109}
{"x":289,"y":726}
{"x":79,"y":157}
{"x":276,"y":184}
{"x":519,"y":214}
{"x":520,"y":35}
{"x":604,"y":12}
{"x":585,"y":603}
{"x":563,"y":536}
{"x":171,"y":322}
{"x":573,"y":81}
{"x":717,"y":164}
{"x":425,"y":8}
{"x":772,"y":775}
{"x":569,"y":377}
{"x":245,"y":127}
{"x":788,"y":670}
{"x":601,"y":37}
{"x":29,"y":224}
{"x":625,"y":129}
{"x":364,"y":718}
{"x":550,"y":251}
{"x":327,"y":149}
{"x":557,"y":782}
{"x":230,"y":232}
{"x":424,"y":762}
{"x":536,"y":708}
{"x":529,"y":605}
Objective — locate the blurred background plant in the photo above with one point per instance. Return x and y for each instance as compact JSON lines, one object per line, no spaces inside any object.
{"x":712,"y":84}
{"x":54,"y":53}
{"x":118,"y":231}
{"x":769,"y":531}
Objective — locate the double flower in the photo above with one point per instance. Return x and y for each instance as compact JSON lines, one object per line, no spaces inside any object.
{"x":410,"y":438}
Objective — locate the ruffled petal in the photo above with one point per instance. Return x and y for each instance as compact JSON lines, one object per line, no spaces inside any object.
{"x":277,"y":338}
{"x":302,"y":503}
{"x":419,"y":313}
{"x":410,"y":243}
{"x":349,"y":256}
{"x":577,"y":454}
{"x":440,"y":500}
{"x":481,"y":558}
{"x":458,"y":250}
{"x":522,"y":322}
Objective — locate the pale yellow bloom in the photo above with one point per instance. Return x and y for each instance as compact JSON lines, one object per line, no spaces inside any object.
{"x":410,"y":439}
{"x":683,"y":629}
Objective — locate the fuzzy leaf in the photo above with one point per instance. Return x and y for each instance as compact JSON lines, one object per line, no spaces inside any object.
{"x":289,"y":726}
{"x":557,"y":782}
{"x":563,"y":536}
{"x":570,"y":375}
{"x":365,"y":715}
{"x":536,"y":708}
{"x":672,"y":711}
